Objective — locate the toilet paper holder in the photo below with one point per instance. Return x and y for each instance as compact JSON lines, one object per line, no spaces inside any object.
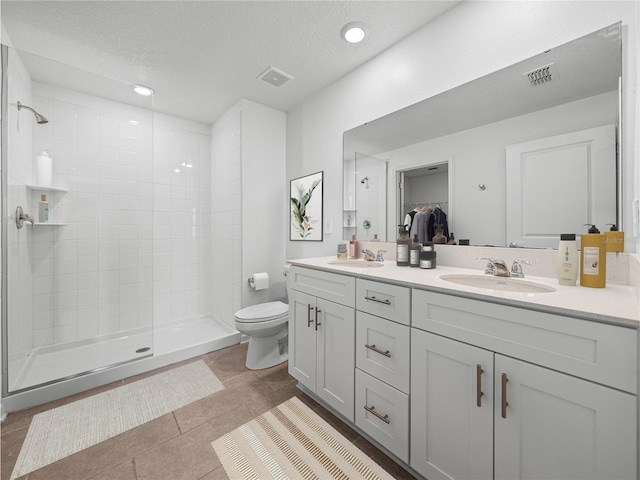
{"x":259,"y":281}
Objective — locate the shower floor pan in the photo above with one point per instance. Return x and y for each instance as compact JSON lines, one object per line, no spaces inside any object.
{"x":110,"y":358}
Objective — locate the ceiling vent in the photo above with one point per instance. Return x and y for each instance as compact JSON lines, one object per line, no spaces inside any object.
{"x":274,"y":77}
{"x":541,"y":75}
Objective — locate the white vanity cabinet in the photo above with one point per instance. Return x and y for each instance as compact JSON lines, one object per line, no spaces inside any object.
{"x":322,"y":335}
{"x":382,"y":364}
{"x":507,"y":393}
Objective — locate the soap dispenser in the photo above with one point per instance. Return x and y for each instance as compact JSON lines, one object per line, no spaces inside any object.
{"x":402,"y":247}
{"x":414,"y":252}
{"x":593,"y":258}
{"x":353,"y":247}
{"x":614,"y":239}
{"x":567,"y":267}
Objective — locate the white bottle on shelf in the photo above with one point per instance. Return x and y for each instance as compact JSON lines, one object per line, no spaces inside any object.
{"x":45,"y":170}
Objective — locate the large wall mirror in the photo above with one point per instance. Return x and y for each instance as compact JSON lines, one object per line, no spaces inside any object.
{"x":513,"y":158}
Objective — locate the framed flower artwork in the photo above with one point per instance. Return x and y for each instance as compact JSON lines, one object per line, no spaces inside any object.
{"x":306,"y":208}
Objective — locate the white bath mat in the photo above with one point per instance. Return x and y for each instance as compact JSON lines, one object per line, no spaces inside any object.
{"x":65,"y":430}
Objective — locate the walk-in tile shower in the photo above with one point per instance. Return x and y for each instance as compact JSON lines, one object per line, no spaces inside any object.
{"x":120,"y":273}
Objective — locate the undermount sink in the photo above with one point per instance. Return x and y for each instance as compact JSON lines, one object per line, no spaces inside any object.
{"x":355,"y":263}
{"x":507,"y":284}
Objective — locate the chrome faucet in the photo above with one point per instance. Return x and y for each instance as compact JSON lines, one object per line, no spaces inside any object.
{"x":369,"y":256}
{"x":516,"y":267}
{"x":495,"y":267}
{"x":380,"y":255}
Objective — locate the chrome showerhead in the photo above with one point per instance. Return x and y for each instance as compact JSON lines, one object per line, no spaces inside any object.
{"x":40,"y":119}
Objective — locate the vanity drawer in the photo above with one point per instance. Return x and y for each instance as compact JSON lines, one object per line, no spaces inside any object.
{"x":384,"y":300}
{"x":382,"y":349}
{"x":330,"y":286}
{"x":606,"y":354}
{"x":383,"y":413}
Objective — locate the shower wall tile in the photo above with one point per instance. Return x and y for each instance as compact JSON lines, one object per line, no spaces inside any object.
{"x":121,"y":262}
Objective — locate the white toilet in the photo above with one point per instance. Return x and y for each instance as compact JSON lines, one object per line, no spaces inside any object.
{"x":266,"y":325}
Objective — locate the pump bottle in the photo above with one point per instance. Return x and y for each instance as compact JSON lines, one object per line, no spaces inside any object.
{"x":402,"y":247}
{"x":567,"y":259}
{"x":593,"y":259}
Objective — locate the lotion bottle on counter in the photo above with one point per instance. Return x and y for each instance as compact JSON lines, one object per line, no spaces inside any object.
{"x":593,"y":259}
{"x":567,"y":259}
{"x":353,"y":247}
{"x":402,"y":247}
{"x":414,"y":252}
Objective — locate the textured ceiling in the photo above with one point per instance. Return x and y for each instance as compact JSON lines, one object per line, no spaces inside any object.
{"x":201,"y":57}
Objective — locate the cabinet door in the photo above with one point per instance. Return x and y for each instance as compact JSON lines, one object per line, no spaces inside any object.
{"x":302,"y":338}
{"x":336,"y":356}
{"x":451,"y":408}
{"x":560,"y":427}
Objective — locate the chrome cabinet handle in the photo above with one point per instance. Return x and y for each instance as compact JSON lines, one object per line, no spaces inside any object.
{"x":317,"y":316}
{"x":374,"y":299}
{"x":504,"y":395}
{"x":377,"y":350}
{"x":479,"y":394}
{"x":372,"y":410}
{"x":309,"y":315}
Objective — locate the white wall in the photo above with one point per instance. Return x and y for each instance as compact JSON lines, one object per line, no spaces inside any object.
{"x":248,"y":223}
{"x":226,"y":214}
{"x":469,"y":41}
{"x":263,"y":216}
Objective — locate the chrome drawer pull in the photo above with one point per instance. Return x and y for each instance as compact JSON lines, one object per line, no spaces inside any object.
{"x":377,"y":350}
{"x":372,"y":410}
{"x":374,"y":299}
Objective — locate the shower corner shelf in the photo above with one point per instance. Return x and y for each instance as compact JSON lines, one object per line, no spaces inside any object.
{"x":46,"y":188}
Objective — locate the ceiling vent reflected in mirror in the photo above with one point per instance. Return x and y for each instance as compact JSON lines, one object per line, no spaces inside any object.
{"x":541,"y":75}
{"x":274,"y":77}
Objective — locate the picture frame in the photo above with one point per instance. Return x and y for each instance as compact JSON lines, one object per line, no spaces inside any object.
{"x":306,"y":205}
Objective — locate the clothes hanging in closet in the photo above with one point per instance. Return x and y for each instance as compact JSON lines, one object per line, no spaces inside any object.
{"x":437,"y":221}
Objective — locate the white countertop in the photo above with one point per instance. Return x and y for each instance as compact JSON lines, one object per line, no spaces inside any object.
{"x":615,"y":304}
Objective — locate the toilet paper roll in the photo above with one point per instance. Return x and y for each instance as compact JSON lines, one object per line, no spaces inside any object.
{"x":259,"y":281}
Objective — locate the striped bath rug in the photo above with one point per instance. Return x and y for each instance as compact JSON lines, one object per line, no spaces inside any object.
{"x":66,"y":430}
{"x":291,"y":441}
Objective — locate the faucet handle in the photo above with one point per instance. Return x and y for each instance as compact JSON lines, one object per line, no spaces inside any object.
{"x":490,"y":267}
{"x":380,"y":256}
{"x":516,"y":267}
{"x":368,"y":255}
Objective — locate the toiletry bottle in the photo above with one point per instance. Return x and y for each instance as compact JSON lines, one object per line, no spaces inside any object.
{"x":402,"y":247}
{"x":342,"y":251}
{"x":593,"y":259}
{"x":567,"y":259}
{"x":614,"y":239}
{"x":414,"y":252}
{"x":353,"y":247}
{"x":43,"y":210}
{"x":375,"y":238}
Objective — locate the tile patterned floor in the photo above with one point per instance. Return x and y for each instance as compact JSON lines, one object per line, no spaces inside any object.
{"x":177,"y":445}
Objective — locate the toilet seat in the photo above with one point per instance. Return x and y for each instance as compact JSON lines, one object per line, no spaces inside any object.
{"x":263,"y":312}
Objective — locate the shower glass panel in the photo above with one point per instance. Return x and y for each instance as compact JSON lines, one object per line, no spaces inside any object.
{"x":77,"y":287}
{"x":370,"y":187}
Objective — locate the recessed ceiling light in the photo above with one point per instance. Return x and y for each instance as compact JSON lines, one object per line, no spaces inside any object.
{"x":142,"y":90}
{"x":353,"y":32}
